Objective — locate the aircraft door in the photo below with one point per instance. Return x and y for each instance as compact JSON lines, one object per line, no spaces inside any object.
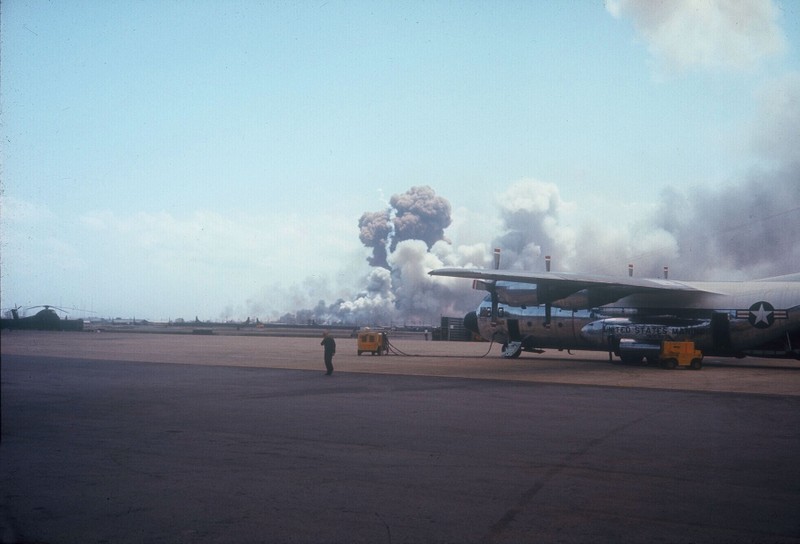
{"x":721,"y":331}
{"x":513,"y":330}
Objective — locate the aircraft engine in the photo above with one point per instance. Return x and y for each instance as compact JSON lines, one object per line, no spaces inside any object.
{"x":471,"y":322}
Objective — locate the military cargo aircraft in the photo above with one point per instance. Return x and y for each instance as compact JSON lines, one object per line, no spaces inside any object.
{"x":530,"y":311}
{"x":45,"y":319}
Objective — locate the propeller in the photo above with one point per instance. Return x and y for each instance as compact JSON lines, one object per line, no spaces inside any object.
{"x":13,"y":312}
{"x":547,"y":306}
{"x":492,"y":286}
{"x":53,"y":309}
{"x":46,"y":307}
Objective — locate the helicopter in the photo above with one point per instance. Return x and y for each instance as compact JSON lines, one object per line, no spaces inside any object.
{"x":45,"y":319}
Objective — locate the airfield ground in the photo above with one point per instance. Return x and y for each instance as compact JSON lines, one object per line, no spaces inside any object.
{"x":410,"y":356}
{"x":118,"y":437}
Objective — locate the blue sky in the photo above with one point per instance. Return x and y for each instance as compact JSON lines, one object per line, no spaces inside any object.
{"x":212,"y":159}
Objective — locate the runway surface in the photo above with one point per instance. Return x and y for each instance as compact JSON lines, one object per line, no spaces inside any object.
{"x":106,"y":439}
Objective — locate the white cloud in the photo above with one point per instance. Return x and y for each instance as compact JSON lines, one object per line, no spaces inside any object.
{"x":705,"y":34}
{"x":205,"y":238}
{"x":204,"y":262}
{"x":16,"y":211}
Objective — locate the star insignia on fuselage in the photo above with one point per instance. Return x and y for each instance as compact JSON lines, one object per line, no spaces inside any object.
{"x":762,"y":315}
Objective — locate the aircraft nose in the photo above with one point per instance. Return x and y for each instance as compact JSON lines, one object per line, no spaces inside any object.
{"x":471,"y":322}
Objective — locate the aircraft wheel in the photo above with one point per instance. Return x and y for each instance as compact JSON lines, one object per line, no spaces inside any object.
{"x":669,"y":364}
{"x":514,"y":355}
{"x":359,"y":353}
{"x":697,"y":364}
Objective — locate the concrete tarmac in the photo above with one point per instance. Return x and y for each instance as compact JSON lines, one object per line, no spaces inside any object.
{"x":106,"y":439}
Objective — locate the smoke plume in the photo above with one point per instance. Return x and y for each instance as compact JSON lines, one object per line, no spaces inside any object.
{"x":407,"y":241}
{"x":747,"y":229}
{"x":375,"y":229}
{"x":530,"y":210}
{"x":743,"y":231}
{"x":420,"y":215}
{"x":417,"y":214}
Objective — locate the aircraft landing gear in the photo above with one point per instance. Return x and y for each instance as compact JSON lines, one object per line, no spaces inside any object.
{"x":512,"y":350}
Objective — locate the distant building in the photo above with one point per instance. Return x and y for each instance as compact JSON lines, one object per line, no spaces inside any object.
{"x":453,"y":329}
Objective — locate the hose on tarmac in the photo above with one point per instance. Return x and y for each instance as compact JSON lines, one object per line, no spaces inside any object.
{"x":394,"y":350}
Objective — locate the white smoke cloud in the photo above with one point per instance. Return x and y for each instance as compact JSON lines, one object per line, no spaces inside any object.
{"x":776,"y":130}
{"x":531,"y":226}
{"x":467,"y":256}
{"x":705,"y":34}
{"x":422,"y":298}
{"x":374,"y":305}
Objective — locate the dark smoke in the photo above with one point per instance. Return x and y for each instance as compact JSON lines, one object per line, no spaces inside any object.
{"x":751,"y":228}
{"x":420,"y":215}
{"x":417,"y":214}
{"x":375,"y":228}
{"x":743,"y":231}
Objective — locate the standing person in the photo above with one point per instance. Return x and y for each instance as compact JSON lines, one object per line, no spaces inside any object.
{"x":330,"y":349}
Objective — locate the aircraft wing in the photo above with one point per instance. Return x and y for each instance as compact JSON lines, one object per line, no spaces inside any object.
{"x":572,"y":291}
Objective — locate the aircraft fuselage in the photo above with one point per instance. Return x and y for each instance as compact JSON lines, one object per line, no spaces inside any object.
{"x":728,"y":319}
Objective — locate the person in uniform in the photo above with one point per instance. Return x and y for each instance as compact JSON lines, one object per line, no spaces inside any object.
{"x":330,"y":349}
